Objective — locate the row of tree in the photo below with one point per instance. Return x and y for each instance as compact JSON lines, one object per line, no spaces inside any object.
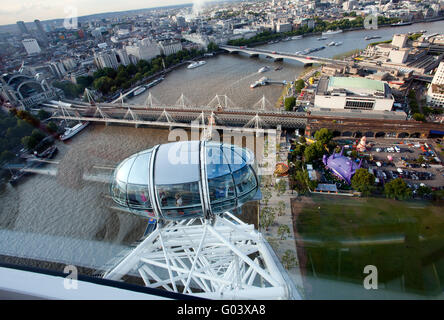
{"x":21,"y":128}
{"x":320,"y":26}
{"x":110,"y":81}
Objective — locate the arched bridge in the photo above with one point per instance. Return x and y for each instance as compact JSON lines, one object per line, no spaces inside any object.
{"x":305,"y":59}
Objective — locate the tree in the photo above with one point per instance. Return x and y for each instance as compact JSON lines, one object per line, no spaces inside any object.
{"x":37,"y":135}
{"x":323,"y":135}
{"x":299,"y":85}
{"x":267,"y":217}
{"x":29,"y":142}
{"x":42,"y":114}
{"x":280,"y":187}
{"x":283,"y":231}
{"x":281,"y":208}
{"x":419,"y":117}
{"x":289,"y":260}
{"x":52,"y":127}
{"x":289,"y":103}
{"x":6,"y":155}
{"x":266,"y":196}
{"x":314,"y":151}
{"x":212,"y":47}
{"x":423,"y":191}
{"x":397,"y":189}
{"x":363,"y":181}
{"x":84,"y":81}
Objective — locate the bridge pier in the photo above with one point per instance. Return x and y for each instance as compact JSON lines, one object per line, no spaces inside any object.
{"x":278,"y":59}
{"x":255,"y":55}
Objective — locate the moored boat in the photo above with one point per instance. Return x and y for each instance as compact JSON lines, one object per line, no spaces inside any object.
{"x":70,"y":132}
{"x":196,"y":64}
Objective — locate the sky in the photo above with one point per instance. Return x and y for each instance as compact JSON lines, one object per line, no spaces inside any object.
{"x":29,"y":10}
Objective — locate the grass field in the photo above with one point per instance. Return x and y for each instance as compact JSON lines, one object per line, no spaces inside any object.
{"x":404,"y":240}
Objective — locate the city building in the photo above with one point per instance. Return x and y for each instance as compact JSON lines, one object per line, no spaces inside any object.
{"x":435,"y":93}
{"x":122,"y":57}
{"x":353,"y":93}
{"x":22,"y":27}
{"x":57,"y":69}
{"x":41,"y":33}
{"x":25,"y":91}
{"x":106,"y":59}
{"x":31,"y":46}
{"x":168,"y":47}
{"x":143,"y":50}
{"x":284,"y":27}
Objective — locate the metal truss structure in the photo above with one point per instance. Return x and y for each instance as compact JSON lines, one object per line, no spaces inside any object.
{"x":223,"y":258}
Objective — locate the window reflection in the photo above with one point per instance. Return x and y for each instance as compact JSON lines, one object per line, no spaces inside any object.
{"x":118,"y":190}
{"x":245,"y":180}
{"x":138,"y":196}
{"x":180,"y":200}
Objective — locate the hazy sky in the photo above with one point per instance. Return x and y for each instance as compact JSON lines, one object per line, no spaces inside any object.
{"x":12,"y":11}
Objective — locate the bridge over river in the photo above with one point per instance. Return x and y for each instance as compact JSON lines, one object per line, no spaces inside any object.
{"x":305,"y":59}
{"x":220,"y":114}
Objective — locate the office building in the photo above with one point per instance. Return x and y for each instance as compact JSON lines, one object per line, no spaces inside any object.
{"x":22,"y":27}
{"x":143,"y":50}
{"x":353,"y":93}
{"x":31,"y":46}
{"x":168,"y":47}
{"x":435,"y":93}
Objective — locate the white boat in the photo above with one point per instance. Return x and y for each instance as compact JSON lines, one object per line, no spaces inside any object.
{"x":329,"y":32}
{"x":331,"y":44}
{"x":261,"y":82}
{"x":338,"y":43}
{"x":322,"y":38}
{"x":70,"y":132}
{"x":139,"y":91}
{"x":263,"y":69}
{"x":296,"y":37}
{"x":153,"y":83}
{"x":196,"y":64}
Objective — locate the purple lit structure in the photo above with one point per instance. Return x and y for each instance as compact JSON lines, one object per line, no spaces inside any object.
{"x":343,"y":167}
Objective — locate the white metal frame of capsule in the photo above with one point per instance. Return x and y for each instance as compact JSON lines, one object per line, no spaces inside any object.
{"x":226,"y":259}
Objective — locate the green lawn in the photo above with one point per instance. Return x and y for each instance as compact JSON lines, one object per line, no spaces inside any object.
{"x":404,"y":240}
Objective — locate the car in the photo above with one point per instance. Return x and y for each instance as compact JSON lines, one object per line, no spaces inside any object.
{"x":378,"y":149}
{"x":397,"y":149}
{"x":273,"y":52}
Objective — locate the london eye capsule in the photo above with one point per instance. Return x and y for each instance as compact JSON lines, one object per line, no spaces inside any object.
{"x":182,"y":180}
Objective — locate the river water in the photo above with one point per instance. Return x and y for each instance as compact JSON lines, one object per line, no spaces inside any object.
{"x":62,"y":217}
{"x":233,"y":74}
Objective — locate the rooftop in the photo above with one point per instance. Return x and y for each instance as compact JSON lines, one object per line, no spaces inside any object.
{"x":355,"y":83}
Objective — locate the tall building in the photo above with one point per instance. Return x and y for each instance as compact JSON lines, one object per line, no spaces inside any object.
{"x":22,"y":27}
{"x":106,"y":59}
{"x":122,"y":57}
{"x":435,"y":94}
{"x":58,"y":69}
{"x":41,"y":33}
{"x":40,"y":29}
{"x":31,"y":46}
